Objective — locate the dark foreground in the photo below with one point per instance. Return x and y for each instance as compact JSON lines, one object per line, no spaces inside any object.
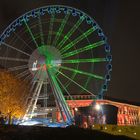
{"x":43,"y":133}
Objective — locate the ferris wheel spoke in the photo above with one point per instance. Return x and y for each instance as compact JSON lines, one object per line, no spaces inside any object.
{"x":10,"y":46}
{"x":60,"y":30}
{"x":63,"y":86}
{"x":32,"y":84}
{"x":13,"y":59}
{"x":75,"y":83}
{"x":22,"y":74}
{"x":72,"y":30}
{"x":83,"y":73}
{"x":78,"y":39}
{"x":28,"y":77}
{"x":31,"y":34}
{"x":93,"y":60}
{"x":65,"y":89}
{"x":50,"y":29}
{"x":86,"y":48}
{"x":41,"y":31}
{"x":18,"y":68}
{"x":22,"y":40}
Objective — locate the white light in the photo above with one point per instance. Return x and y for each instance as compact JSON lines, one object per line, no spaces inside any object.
{"x":135,"y":133}
{"x":34,"y":69}
{"x":76,"y":109}
{"x":105,"y":128}
{"x":29,"y":123}
{"x":97,"y":107}
{"x":58,"y":65}
{"x":25,"y":118}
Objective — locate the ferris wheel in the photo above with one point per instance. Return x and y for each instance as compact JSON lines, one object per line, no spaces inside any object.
{"x":58,"y":46}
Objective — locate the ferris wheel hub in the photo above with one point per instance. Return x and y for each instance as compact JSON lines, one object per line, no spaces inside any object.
{"x":43,"y":58}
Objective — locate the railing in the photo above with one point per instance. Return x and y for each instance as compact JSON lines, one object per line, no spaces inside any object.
{"x":80,"y":97}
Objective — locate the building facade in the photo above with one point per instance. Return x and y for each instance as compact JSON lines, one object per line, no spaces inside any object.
{"x":127,"y":114}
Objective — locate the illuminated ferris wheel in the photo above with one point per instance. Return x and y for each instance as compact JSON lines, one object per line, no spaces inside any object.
{"x":57,"y":46}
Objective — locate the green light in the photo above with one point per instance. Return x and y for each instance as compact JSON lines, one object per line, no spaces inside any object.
{"x":60,"y":96}
{"x":75,"y":83}
{"x":44,"y":50}
{"x":51,"y":56}
{"x":29,"y":30}
{"x":86,"y":48}
{"x":50,"y":29}
{"x":66,"y":91}
{"x":82,"y":72}
{"x":73,"y":29}
{"x":60,"y":30}
{"x":78,"y":39}
{"x":64,"y":87}
{"x":94,"y":60}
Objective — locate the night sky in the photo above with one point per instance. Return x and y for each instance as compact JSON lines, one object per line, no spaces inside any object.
{"x":120,"y":21}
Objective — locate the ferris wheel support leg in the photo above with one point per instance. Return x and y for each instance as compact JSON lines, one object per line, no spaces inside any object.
{"x":36,"y":98}
{"x":61,"y":99}
{"x":57,"y":101}
{"x":26,"y":102}
{"x":59,"y":105}
{"x":45,"y":94}
{"x":30,"y":106}
{"x":64,"y":107}
{"x":67,"y":92}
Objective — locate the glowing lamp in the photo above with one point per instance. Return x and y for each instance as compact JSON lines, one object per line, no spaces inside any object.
{"x":97,"y":107}
{"x":76,"y":109}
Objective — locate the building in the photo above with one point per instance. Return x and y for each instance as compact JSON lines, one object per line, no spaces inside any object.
{"x":127,"y":114}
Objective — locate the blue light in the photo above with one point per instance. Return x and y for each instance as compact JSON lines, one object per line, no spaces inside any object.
{"x":108,"y":77}
{"x":109,"y":57}
{"x":107,"y":48}
{"x":109,"y":67}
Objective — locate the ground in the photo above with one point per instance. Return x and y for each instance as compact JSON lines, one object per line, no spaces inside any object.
{"x":40,"y":133}
{"x":130,"y":131}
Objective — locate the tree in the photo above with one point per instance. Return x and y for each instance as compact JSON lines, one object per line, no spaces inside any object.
{"x":13,"y":93}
